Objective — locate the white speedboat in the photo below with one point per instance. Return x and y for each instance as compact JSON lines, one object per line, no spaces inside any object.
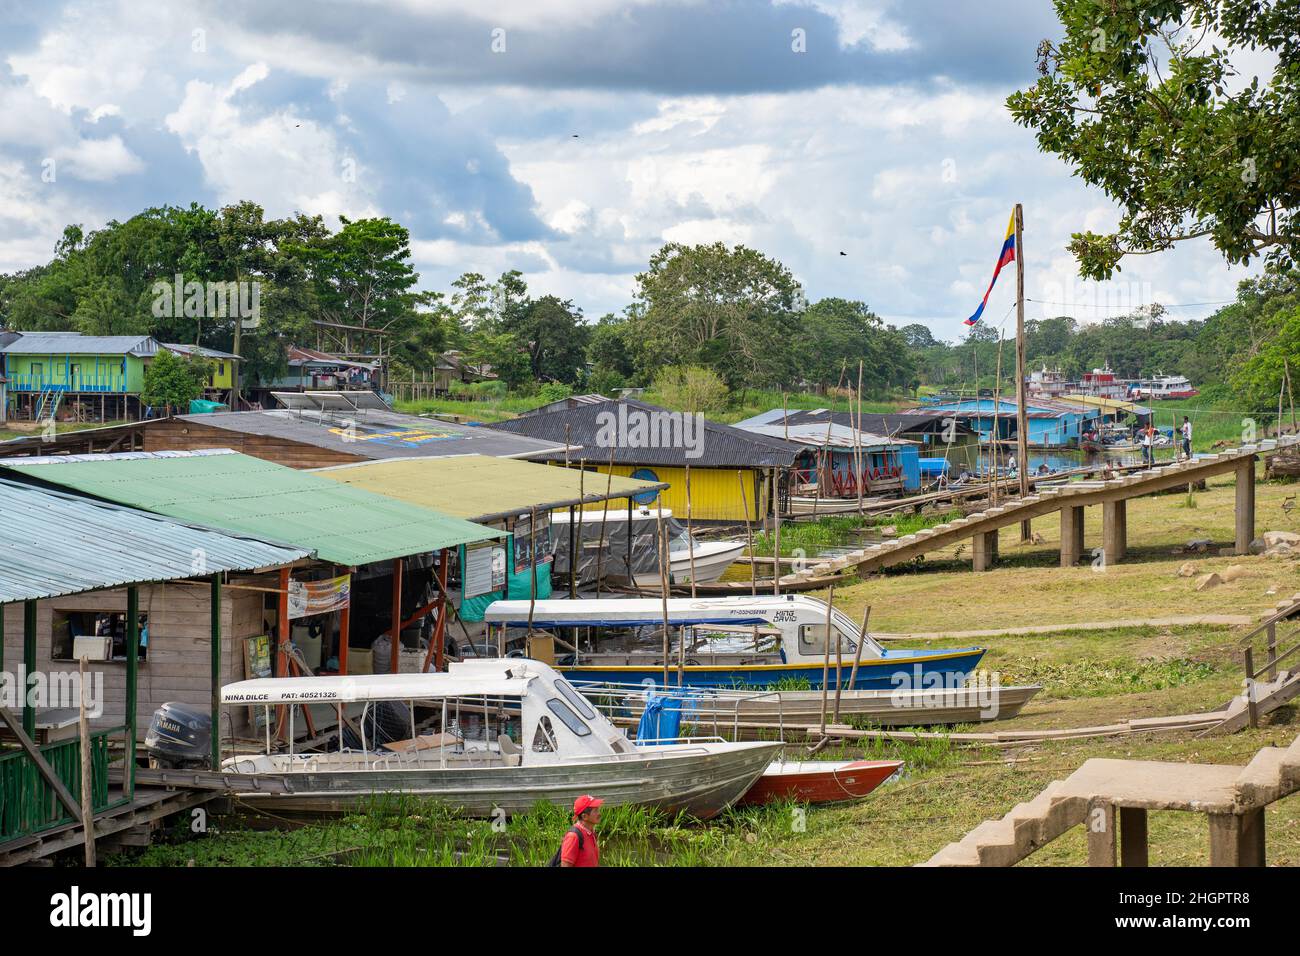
{"x":532,"y":738}
{"x":709,"y":558}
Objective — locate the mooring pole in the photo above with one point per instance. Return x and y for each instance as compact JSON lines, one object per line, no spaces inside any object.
{"x":1022,"y":414}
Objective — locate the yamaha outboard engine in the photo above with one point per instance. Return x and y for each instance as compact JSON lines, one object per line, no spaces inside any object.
{"x":179,"y":736}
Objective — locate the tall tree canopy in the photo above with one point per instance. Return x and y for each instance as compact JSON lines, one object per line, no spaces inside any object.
{"x":1142,"y":99}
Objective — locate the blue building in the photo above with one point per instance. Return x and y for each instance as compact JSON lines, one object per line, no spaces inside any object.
{"x":1052,"y":424}
{"x":830,"y":457}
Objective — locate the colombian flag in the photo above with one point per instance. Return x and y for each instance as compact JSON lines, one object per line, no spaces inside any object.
{"x":1008,"y":254}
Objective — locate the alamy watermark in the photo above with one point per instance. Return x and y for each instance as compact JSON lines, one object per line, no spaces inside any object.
{"x":55,"y":689}
{"x":208,"y":300}
{"x":640,"y":428}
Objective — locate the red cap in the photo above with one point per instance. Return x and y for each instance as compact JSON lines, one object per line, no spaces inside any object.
{"x":584,"y":803}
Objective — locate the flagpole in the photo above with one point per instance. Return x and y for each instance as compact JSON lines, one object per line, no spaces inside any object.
{"x":1022,"y":414}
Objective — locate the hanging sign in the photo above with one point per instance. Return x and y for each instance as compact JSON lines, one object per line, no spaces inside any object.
{"x":485,"y":570}
{"x":525,"y":539}
{"x":319,"y":597}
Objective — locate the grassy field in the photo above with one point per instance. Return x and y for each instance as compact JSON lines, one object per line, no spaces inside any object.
{"x":28,"y":429}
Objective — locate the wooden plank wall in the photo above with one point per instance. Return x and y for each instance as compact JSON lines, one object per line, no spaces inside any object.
{"x":173,"y":435}
{"x":179,"y":661}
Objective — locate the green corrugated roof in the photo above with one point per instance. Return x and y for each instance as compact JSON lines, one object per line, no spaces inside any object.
{"x":481,"y":488}
{"x":234,"y":492}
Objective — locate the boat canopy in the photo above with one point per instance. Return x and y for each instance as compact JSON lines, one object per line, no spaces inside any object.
{"x":629,"y":612}
{"x":502,"y":682}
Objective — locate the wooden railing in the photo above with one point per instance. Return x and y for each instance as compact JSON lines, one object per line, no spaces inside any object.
{"x":29,"y":805}
{"x":1265,"y":639}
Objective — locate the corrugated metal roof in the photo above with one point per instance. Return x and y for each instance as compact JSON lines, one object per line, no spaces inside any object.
{"x":53,"y":543}
{"x":721,"y":446}
{"x":481,"y":488}
{"x":376,"y":434}
{"x":888,"y":423}
{"x":72,"y":343}
{"x":816,"y":433}
{"x":231,"y":492}
{"x":200,"y":350}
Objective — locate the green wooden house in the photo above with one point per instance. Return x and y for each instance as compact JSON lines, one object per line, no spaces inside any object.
{"x":102,"y":376}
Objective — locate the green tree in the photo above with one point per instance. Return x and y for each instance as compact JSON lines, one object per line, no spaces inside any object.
{"x":171,"y":381}
{"x":691,"y":388}
{"x":1141,"y":98}
{"x":731,"y":309}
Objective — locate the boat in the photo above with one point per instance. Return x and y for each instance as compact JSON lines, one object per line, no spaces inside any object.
{"x":510,"y":733}
{"x":709,"y":559}
{"x":818,"y":781}
{"x":1162,"y":387}
{"x":729,"y":642}
{"x":738,"y":713}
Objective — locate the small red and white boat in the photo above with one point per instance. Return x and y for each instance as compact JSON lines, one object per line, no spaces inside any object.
{"x":819,"y":781}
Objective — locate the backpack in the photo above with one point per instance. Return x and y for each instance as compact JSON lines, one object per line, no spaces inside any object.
{"x":555,"y":860}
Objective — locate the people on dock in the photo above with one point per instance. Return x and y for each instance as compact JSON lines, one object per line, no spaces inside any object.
{"x":1187,"y":437}
{"x":1148,"y":439}
{"x":579,"y":847}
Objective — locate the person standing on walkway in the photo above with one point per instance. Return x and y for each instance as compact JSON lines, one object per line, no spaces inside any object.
{"x":1148,"y":445}
{"x":1187,"y":437}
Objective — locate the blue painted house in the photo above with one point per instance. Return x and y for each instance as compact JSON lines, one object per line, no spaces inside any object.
{"x":1052,"y":424}
{"x":829,"y":457}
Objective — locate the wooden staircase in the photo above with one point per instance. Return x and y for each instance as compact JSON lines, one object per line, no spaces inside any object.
{"x":1112,"y":798}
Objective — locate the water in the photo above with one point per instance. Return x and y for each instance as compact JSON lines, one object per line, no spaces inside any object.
{"x":979,"y":459}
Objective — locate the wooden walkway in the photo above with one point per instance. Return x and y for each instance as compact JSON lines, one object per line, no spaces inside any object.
{"x":1068,"y":500}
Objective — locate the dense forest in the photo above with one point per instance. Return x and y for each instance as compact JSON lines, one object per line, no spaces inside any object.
{"x":732,"y":310}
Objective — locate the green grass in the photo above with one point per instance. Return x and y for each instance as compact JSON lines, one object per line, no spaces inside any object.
{"x":837,"y":531}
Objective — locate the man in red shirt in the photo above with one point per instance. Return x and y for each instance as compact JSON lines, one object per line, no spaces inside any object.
{"x":579,"y":847}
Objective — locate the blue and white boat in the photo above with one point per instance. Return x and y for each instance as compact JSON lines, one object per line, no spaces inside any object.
{"x":756,"y":642}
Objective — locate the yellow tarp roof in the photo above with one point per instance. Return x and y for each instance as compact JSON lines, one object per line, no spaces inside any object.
{"x":482,"y":487}
{"x":1109,"y":404}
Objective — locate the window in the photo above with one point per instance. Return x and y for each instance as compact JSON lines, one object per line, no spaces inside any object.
{"x":577,"y":700}
{"x":812,"y":640}
{"x":544,"y":737}
{"x":571,"y":720}
{"x":102,"y":636}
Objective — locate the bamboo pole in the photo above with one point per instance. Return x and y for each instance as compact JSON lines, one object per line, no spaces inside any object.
{"x":690,"y":534}
{"x":663,"y":583}
{"x":604,"y":515}
{"x":1022,"y":411}
{"x":826,"y":656}
{"x":997,"y":408}
{"x":582,"y":495}
{"x":87,"y":775}
{"x":532,"y":563}
{"x":857,"y":653}
{"x":857,"y":438}
{"x":776,"y":541}
{"x":749,"y":538}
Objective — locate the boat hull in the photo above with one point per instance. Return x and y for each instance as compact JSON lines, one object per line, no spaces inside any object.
{"x":711,"y":562}
{"x":880,"y":708}
{"x":886,"y":673}
{"x":700,"y":780}
{"x":819,"y":781}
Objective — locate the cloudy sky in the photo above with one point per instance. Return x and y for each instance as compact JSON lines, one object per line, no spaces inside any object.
{"x":571,"y":138}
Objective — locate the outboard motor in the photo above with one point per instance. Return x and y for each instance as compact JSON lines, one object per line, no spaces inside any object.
{"x":179,"y":736}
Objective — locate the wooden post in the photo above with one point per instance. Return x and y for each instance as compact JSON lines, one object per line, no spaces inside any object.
{"x":345,"y":626}
{"x":1272,"y":650}
{"x":984,"y":550}
{"x":749,"y":538}
{"x":444,"y":608}
{"x":857,"y":457}
{"x":1100,"y":824}
{"x":604,"y":515}
{"x":1022,"y":413}
{"x":1237,"y":839}
{"x":662,"y":542}
{"x":690,"y":530}
{"x":997,"y":409}
{"x":132,"y":676}
{"x":282,"y":626}
{"x":573,"y":556}
{"x":631,"y":579}
{"x":582,"y":498}
{"x":857,"y":654}
{"x":1114,"y":530}
{"x":1133,"y":843}
{"x":532,"y":566}
{"x":826,"y":656}
{"x":396,"y":635}
{"x":215,"y":673}
{"x":29,"y":667}
{"x":87,"y":772}
{"x":1071,"y":535}
{"x":1252,"y":708}
{"x":776,"y":540}
{"x":1245,"y":504}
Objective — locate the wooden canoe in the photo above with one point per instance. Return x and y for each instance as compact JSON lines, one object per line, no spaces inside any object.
{"x":819,"y":781}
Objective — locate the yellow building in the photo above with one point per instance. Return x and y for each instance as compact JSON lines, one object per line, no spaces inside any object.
{"x":224,"y":368}
{"x":731,"y":469}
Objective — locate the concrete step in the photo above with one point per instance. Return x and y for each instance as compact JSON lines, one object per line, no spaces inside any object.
{"x":954,"y":854}
{"x":1261,"y":782}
